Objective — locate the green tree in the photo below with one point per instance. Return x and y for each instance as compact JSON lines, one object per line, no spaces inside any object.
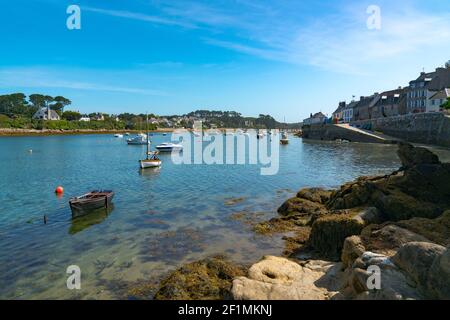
{"x":14,"y":104}
{"x":38,"y":100}
{"x":60,"y":103}
{"x":71,"y":115}
{"x":446,"y":105}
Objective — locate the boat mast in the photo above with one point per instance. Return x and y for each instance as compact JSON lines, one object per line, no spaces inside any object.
{"x":148,"y":138}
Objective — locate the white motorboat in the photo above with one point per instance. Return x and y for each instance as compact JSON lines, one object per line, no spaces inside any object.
{"x":118,"y":135}
{"x":140,"y":139}
{"x":169,"y":147}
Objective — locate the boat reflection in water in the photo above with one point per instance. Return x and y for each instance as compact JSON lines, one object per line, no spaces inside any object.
{"x":95,"y":217}
{"x":150,"y":172}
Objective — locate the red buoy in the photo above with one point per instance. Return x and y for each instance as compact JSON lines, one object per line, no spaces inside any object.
{"x":59,"y":190}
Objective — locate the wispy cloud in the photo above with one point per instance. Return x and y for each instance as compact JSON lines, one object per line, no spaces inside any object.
{"x":138,"y":16}
{"x":40,"y":78}
{"x":336,"y":39}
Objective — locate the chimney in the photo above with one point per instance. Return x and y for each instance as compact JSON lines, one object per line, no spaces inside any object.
{"x":361,"y":98}
{"x":342,"y":104}
{"x":48,"y":113}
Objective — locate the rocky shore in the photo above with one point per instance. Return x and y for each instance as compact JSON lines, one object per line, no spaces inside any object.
{"x":398,"y":224}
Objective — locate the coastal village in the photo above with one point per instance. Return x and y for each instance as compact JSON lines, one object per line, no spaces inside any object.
{"x":428,"y":93}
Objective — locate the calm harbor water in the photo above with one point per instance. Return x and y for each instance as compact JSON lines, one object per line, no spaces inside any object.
{"x":160,"y":219}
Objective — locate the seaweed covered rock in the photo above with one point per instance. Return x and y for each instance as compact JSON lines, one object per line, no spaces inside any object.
{"x":436,"y":230}
{"x":397,"y":205}
{"x":329,"y":232}
{"x":317,"y":195}
{"x":353,"y":194}
{"x":420,"y":188}
{"x":411,"y":156}
{"x":300,"y":206}
{"x":208,"y":279}
{"x":387,"y":238}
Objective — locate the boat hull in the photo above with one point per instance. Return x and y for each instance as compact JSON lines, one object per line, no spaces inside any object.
{"x":81,"y":207}
{"x":149,"y":163}
{"x":169,"y":149}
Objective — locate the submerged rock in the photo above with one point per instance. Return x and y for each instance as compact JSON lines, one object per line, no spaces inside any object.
{"x":208,"y":279}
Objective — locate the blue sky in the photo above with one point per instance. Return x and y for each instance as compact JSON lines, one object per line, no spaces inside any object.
{"x":284,"y":58}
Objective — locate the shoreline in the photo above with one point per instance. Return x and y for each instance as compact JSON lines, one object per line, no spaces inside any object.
{"x":9,"y":132}
{"x":333,"y":239}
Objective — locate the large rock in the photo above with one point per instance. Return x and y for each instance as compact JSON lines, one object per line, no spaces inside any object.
{"x":209,"y":279}
{"x":436,"y":230}
{"x":329,"y":232}
{"x":300,"y":206}
{"x":388,"y":238}
{"x":419,"y":189}
{"x":438,"y":286}
{"x":397,"y":205}
{"x":394,"y":284}
{"x":275,"y":278}
{"x":318,"y":195}
{"x":411,"y":156}
{"x":352,"y":250}
{"x":353,"y":194}
{"x":416,"y":259}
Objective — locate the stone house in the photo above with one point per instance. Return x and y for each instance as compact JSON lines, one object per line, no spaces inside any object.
{"x":317,"y":118}
{"x":362,"y":109}
{"x":391,"y":103}
{"x":424,"y":87}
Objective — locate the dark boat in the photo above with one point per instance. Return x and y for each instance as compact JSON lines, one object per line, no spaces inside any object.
{"x":90,"y":201}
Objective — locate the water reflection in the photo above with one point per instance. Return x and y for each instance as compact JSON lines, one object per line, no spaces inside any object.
{"x":95,"y":217}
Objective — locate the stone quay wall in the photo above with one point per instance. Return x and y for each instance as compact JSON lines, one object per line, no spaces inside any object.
{"x":429,"y":128}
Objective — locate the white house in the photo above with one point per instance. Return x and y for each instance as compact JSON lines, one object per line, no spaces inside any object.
{"x":98,"y":117}
{"x":85,"y":119}
{"x":46,"y":114}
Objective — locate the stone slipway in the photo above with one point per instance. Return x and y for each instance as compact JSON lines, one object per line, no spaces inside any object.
{"x":333,"y":132}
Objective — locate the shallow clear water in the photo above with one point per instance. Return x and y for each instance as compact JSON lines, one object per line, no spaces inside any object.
{"x":160,"y":219}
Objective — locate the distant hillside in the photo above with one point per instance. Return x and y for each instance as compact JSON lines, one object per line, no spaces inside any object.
{"x":233,"y":119}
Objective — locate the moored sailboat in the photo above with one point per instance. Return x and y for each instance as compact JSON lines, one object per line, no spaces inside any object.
{"x":152,"y":160}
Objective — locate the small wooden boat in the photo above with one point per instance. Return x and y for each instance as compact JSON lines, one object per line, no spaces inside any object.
{"x":151,"y":162}
{"x":284,"y":138}
{"x":90,"y":201}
